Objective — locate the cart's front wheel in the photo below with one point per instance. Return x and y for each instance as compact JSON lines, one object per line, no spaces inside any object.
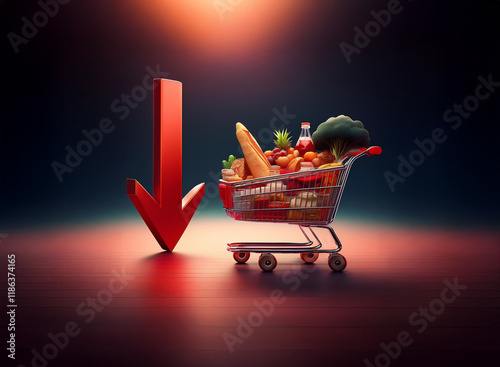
{"x":309,"y":257}
{"x":337,"y":262}
{"x":267,"y":262}
{"x":241,"y":257}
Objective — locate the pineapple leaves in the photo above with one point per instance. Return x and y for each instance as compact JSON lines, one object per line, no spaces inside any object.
{"x":282,"y":139}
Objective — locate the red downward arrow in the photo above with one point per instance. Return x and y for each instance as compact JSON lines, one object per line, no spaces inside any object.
{"x":167,"y":213}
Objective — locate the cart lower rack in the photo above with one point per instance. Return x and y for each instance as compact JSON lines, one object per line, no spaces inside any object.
{"x":308,"y":199}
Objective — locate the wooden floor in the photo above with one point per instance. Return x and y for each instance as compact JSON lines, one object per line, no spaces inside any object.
{"x":187,"y":308}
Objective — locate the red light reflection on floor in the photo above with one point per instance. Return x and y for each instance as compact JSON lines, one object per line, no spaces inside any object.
{"x":179,"y":304}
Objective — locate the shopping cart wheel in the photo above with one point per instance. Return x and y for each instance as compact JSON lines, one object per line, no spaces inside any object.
{"x":241,"y":257}
{"x":337,"y":262}
{"x":309,"y":257}
{"x":267,"y":262}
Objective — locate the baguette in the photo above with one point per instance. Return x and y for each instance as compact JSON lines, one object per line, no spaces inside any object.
{"x":254,"y":157}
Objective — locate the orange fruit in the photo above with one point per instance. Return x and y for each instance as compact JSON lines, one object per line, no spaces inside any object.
{"x":290,"y":151}
{"x":290,"y":156}
{"x":294,"y":164}
{"x":268,"y":153}
{"x":309,"y":156}
{"x":282,"y":161}
{"x":296,"y":153}
{"x":316,"y":162}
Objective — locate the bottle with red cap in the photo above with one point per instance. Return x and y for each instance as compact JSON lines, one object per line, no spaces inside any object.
{"x":305,"y":143}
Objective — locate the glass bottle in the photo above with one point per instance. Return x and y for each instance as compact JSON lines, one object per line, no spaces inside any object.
{"x":305,"y":143}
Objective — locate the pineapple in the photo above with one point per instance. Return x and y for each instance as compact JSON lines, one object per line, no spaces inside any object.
{"x":282,"y":139}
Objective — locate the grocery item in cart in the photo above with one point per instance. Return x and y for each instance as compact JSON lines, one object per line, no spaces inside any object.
{"x":254,"y":157}
{"x":305,"y":143}
{"x":240,"y":167}
{"x":304,"y":207}
{"x":329,"y":178}
{"x":275,"y":211}
{"x":294,"y":164}
{"x":303,"y":181}
{"x":340,"y":135}
{"x":325,"y":157}
{"x":274,"y":170}
{"x":227,"y":164}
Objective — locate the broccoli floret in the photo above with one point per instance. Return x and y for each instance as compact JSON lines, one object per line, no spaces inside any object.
{"x":340,"y":135}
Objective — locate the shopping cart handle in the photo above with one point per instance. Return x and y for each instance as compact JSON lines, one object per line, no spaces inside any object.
{"x":374,"y":150}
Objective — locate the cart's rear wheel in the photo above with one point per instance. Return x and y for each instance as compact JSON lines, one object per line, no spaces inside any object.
{"x":241,"y":257}
{"x":337,"y":262}
{"x":267,"y":262}
{"x":309,"y":257}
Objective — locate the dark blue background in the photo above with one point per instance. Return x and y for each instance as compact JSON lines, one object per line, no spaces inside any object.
{"x":428,"y":58}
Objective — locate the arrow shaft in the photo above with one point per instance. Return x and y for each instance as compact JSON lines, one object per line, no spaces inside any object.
{"x":167,"y":146}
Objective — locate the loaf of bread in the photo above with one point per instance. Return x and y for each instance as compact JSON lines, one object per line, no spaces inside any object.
{"x":254,"y":157}
{"x":240,"y":167}
{"x":326,"y":157}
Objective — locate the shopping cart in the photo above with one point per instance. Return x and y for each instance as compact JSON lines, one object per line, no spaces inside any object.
{"x":309,"y":199}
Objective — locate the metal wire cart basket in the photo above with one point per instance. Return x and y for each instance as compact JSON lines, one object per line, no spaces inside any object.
{"x":308,"y":199}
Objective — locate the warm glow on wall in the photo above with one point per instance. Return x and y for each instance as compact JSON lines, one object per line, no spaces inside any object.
{"x":223,"y":27}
